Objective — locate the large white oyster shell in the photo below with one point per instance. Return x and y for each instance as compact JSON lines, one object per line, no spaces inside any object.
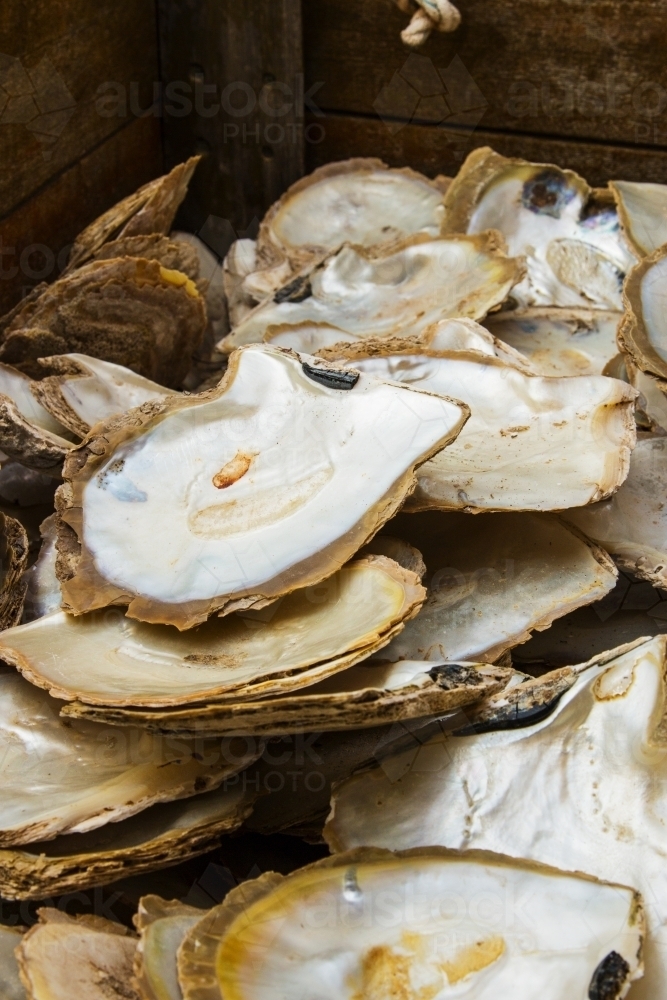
{"x":492,"y":579}
{"x":575,"y":251}
{"x":268,"y":483}
{"x":531,"y":443}
{"x":642,"y":334}
{"x":642,"y":209}
{"x":397,"y":291}
{"x":582,"y":789}
{"x":427,"y":923}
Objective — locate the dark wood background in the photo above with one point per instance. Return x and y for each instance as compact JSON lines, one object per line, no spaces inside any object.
{"x":96,"y":99}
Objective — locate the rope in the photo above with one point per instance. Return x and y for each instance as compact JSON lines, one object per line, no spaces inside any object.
{"x":431,"y":15}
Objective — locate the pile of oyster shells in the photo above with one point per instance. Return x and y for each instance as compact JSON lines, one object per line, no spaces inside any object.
{"x":391,"y":478}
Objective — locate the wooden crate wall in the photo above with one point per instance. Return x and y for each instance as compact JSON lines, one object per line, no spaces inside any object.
{"x":78,"y":125}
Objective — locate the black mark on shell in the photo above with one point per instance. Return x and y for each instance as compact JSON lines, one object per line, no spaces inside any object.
{"x":294,"y":291}
{"x":511,"y":717}
{"x":331,"y":378}
{"x":546,"y":194}
{"x":609,"y":978}
{"x":454,"y":675}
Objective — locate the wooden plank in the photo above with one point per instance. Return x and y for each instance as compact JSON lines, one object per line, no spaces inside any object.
{"x":72,"y":73}
{"x":240,"y":65}
{"x":436,"y":151}
{"x":587,"y":68}
{"x":35,"y":238}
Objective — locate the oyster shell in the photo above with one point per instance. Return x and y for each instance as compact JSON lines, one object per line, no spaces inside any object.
{"x":149,"y":210}
{"x":90,"y":390}
{"x":162,"y":925}
{"x":63,"y":957}
{"x":13,"y":562}
{"x":43,"y":588}
{"x":60,"y":776}
{"x":172,"y":254}
{"x":11,"y":987}
{"x":493,"y":579}
{"x":155,"y":529}
{"x":632,"y":525}
{"x":583,"y":788}
{"x":642,"y":335}
{"x":372,"y":923}
{"x":642,"y":209}
{"x":29,"y":434}
{"x":358,"y":201}
{"x":366,"y":695}
{"x":575,"y":252}
{"x":162,"y":835}
{"x":577,"y":431}
{"x":128,"y":311}
{"x":560,"y":341}
{"x":110,"y":660}
{"x":651,"y":405}
{"x":394,"y":291}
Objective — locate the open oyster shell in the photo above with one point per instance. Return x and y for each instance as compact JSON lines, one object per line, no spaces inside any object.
{"x":128,"y":310}
{"x":632,"y":525}
{"x":11,"y":987}
{"x":42,"y":585}
{"x":278,"y":503}
{"x":63,"y":957}
{"x":575,"y":252}
{"x":577,"y":431}
{"x":358,"y":201}
{"x":13,"y":562}
{"x":162,"y":835}
{"x":60,"y":776}
{"x":90,"y":390}
{"x":149,"y":210}
{"x":366,"y":695}
{"x":29,"y":434}
{"x":268,"y":937}
{"x":106,"y":659}
{"x":559,"y":341}
{"x":162,"y":925}
{"x":642,"y":334}
{"x":642,"y":209}
{"x":395,"y":291}
{"x":583,"y":788}
{"x":493,"y":579}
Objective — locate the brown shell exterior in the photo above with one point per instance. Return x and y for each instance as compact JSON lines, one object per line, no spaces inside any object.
{"x":14,"y":561}
{"x":151,"y":209}
{"x":632,"y":334}
{"x":27,"y":443}
{"x":128,"y":310}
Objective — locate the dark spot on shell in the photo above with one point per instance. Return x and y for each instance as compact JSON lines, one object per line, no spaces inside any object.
{"x":295,"y":291}
{"x":609,"y":978}
{"x":546,"y":194}
{"x":330,"y":378}
{"x":454,"y":675}
{"x":512,"y":717}
{"x":200,"y":784}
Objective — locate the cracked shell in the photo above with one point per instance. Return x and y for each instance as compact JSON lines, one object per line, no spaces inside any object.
{"x":632,"y":525}
{"x":129,"y":311}
{"x":359,"y":201}
{"x":642,"y":335}
{"x":63,"y":957}
{"x":578,"y":431}
{"x":366,"y":695}
{"x":162,"y":835}
{"x":575,"y":251}
{"x":249,"y":491}
{"x":583,"y":789}
{"x":493,"y":579}
{"x":90,"y":390}
{"x":112,"y":661}
{"x":29,"y":434}
{"x":560,"y":341}
{"x":328,"y":924}
{"x":642,"y":209}
{"x":149,"y":210}
{"x":162,"y":924}
{"x":386,"y":292}
{"x":61,"y":776}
